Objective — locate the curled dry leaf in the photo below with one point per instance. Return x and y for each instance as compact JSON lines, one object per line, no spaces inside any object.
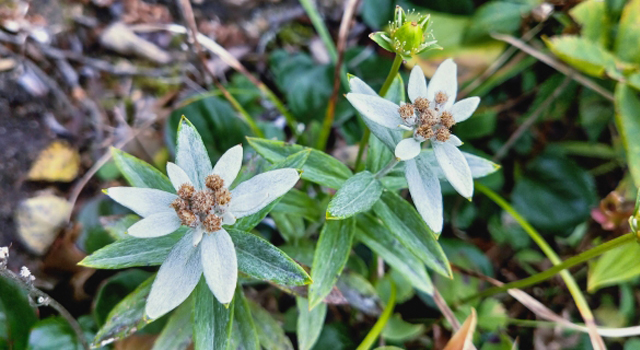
{"x":462,"y":339}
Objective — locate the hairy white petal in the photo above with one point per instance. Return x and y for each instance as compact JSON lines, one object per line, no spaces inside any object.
{"x":191,"y":154}
{"x":454,"y":140}
{"x":257,"y":192}
{"x":360,"y":87}
{"x":424,"y":187}
{"x":178,"y":276}
{"x":229,"y":165}
{"x":220,"y":265}
{"x":463,"y":109}
{"x":377,"y":109}
{"x":177,"y":176}
{"x":417,"y":84}
{"x":228,"y":219}
{"x":197,"y":235}
{"x":408,"y":148}
{"x":143,"y":201}
{"x":155,"y":225}
{"x":445,"y":80}
{"x":455,"y":167}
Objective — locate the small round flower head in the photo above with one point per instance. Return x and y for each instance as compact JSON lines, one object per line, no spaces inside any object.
{"x":223,"y":196}
{"x":212,"y":223}
{"x":202,"y":201}
{"x":429,"y":117}
{"x":422,"y":104}
{"x":406,"y":111}
{"x":443,"y":134}
{"x":214,"y":182}
{"x":441,"y":97}
{"x":187,"y":217}
{"x":407,"y":35}
{"x":425,"y":132}
{"x":186,"y":191}
{"x":447,"y":120}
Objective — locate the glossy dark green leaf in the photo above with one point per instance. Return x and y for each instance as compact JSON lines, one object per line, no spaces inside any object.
{"x":402,"y":219}
{"x":310,"y":323}
{"x":139,"y":173}
{"x":19,"y":315}
{"x":53,"y":333}
{"x":114,"y":289}
{"x":319,"y":168}
{"x":262,"y":260}
{"x":176,"y":334}
{"x":243,"y":321}
{"x":125,"y":318}
{"x":332,"y":252}
{"x":628,"y":124}
{"x":583,"y":54}
{"x":130,"y":252}
{"x":379,"y":239}
{"x":270,"y":332}
{"x":212,"y":321}
{"x":357,"y":195}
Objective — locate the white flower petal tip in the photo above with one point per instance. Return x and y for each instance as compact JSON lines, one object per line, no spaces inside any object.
{"x":417,"y":86}
{"x":257,"y":192}
{"x":463,"y":109}
{"x":220,"y":265}
{"x":444,"y":80}
{"x":455,"y":167}
{"x":407,"y":149}
{"x":455,"y":140}
{"x":155,"y":225}
{"x":229,"y":164}
{"x":177,"y":176}
{"x":143,"y":201}
{"x":376,"y":109}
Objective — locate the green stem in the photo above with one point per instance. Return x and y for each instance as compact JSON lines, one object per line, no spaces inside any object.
{"x":373,"y":334}
{"x":567,"y":264}
{"x":247,"y":117}
{"x":575,"y":291}
{"x":291,"y":120}
{"x":395,"y":67}
{"x":318,"y":24}
{"x":384,"y":171}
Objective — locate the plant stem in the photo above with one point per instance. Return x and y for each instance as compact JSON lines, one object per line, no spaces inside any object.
{"x":384,"y":171}
{"x":291,"y":120}
{"x":576,"y":293}
{"x":318,"y":24}
{"x":395,"y":67}
{"x":567,"y":264}
{"x":373,"y":334}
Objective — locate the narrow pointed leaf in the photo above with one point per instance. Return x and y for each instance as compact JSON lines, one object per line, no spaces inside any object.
{"x":262,"y":260}
{"x":358,"y":194}
{"x":270,"y":331}
{"x":406,"y":224}
{"x":244,"y":322}
{"x":212,"y":321}
{"x":139,"y":173}
{"x":310,"y":323}
{"x":332,"y":252}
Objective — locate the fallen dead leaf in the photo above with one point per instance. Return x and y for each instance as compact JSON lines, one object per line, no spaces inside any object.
{"x":462,"y":339}
{"x":58,"y":162}
{"x":38,"y":220}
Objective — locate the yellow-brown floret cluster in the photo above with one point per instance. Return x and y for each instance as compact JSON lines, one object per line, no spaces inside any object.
{"x":430,"y":122}
{"x":203,"y":206}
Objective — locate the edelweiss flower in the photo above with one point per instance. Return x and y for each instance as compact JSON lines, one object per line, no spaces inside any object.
{"x":429,"y":117}
{"x":204,"y":202}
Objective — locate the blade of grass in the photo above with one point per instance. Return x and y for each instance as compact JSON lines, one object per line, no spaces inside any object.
{"x":373,"y":334}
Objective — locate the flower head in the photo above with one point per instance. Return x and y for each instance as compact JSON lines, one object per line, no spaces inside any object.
{"x":205,"y":203}
{"x":407,"y":35}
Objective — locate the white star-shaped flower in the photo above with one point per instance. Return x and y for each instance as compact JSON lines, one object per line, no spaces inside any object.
{"x":204,"y":202}
{"x":430,"y":116}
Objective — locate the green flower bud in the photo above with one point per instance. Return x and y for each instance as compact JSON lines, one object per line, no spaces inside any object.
{"x":407,"y":35}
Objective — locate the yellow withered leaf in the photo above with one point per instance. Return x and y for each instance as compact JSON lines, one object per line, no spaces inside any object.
{"x":462,"y":340}
{"x":58,"y":162}
{"x":38,"y":220}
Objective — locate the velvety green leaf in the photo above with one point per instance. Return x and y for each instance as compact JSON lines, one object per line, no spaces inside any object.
{"x":139,"y":173}
{"x":379,"y":239}
{"x":584,"y":55}
{"x":593,"y":20}
{"x":628,"y":39}
{"x":398,"y":330}
{"x":402,"y":219}
{"x":176,"y":334}
{"x":492,"y":315}
{"x":494,"y":17}
{"x":614,"y":267}
{"x":332,"y":251}
{"x":378,"y":155}
{"x":310,"y":323}
{"x":19,"y":315}
{"x":130,"y":252}
{"x":270,"y":331}
{"x":212,"y":321}
{"x":319,"y":168}
{"x":114,"y":289}
{"x":125,"y":318}
{"x":248,"y":335}
{"x":358,"y":194}
{"x":261,"y":260}
{"x":628,"y":124}
{"x":554,"y":193}
{"x":53,"y":333}
{"x":296,"y":202}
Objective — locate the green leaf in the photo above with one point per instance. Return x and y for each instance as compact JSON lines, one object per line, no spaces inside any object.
{"x":554,"y":194}
{"x":139,"y":173}
{"x":593,"y":20}
{"x":212,"y":321}
{"x":357,"y":195}
{"x":270,"y":331}
{"x":332,"y":252}
{"x":628,"y":39}
{"x":176,"y":334}
{"x":398,"y":330}
{"x":130,"y":252}
{"x":310,"y":323}
{"x":319,"y":168}
{"x":595,"y":113}
{"x":628,"y":124}
{"x":20,"y":315}
{"x":244,"y":322}
{"x":290,"y":226}
{"x":262,"y":260}
{"x":114,"y":289}
{"x":295,"y":161}
{"x":402,"y":219}
{"x":53,"y":333}
{"x":494,"y":17}
{"x":125,"y":318}
{"x":584,"y":55}
{"x":377,"y":14}
{"x":296,"y":202}
{"x":359,"y":293}
{"x":614,"y":267}
{"x":379,"y":239}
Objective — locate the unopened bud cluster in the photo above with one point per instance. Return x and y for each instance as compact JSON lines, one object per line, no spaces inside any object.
{"x":427,"y":120}
{"x":407,"y":35}
{"x":206,"y":206}
{"x":26,"y":275}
